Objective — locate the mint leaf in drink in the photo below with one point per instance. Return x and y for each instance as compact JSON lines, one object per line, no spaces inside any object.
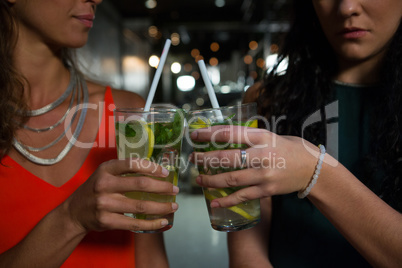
{"x":230,"y":117}
{"x":128,"y":129}
{"x":178,"y":124}
{"x":160,"y":136}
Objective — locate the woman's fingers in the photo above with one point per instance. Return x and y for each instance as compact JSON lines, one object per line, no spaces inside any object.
{"x":242,"y":195}
{"x":231,"y":134}
{"x":112,"y":181}
{"x":244,"y":177}
{"x":121,"y":222}
{"x":134,"y":165}
{"x":119,"y":184}
{"x":110,"y":209}
{"x":254,"y":158}
{"x":118,"y":203}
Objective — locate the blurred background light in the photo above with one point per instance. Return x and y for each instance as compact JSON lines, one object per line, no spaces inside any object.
{"x":200,"y":101}
{"x":196,"y":75}
{"x":220,"y":3}
{"x":175,"y":67}
{"x":151,"y":4}
{"x":198,"y":58}
{"x":225,"y":89}
{"x":153,"y":61}
{"x":213,"y":61}
{"x":214,"y":47}
{"x":153,"y":31}
{"x":214,"y":74}
{"x":135,"y":72}
{"x":248,"y":59}
{"x":175,"y":38}
{"x":253,"y":45}
{"x":186,"y":106}
{"x":185,"y":83}
{"x":195,"y":52}
{"x":272,"y":60}
{"x":188,"y":67}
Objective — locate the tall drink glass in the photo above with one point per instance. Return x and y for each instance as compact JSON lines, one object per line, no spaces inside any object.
{"x":247,"y":214}
{"x":155,"y":135}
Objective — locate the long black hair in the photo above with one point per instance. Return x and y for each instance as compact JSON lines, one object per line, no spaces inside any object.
{"x":307,"y":86}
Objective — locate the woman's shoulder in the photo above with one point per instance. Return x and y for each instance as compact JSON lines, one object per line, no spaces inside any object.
{"x":127,"y":99}
{"x":121,"y":98}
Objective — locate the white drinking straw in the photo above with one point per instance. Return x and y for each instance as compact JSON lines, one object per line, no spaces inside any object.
{"x":157,"y":75}
{"x":210,"y":89}
{"x":207,"y":81}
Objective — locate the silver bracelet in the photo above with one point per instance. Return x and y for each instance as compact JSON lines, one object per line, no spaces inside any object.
{"x":303,"y":194}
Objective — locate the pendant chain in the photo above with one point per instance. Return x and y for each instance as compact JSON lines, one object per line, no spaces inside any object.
{"x":77,"y":86}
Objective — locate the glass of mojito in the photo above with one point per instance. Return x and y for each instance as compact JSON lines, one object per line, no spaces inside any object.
{"x":244,"y":215}
{"x":154,"y":135}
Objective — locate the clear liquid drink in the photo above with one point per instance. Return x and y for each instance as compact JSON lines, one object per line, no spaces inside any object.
{"x":156,"y":136}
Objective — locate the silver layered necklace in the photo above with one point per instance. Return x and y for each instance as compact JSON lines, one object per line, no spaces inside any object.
{"x":77,"y":87}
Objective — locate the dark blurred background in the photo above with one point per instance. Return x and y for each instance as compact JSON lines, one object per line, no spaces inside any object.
{"x":237,"y":39}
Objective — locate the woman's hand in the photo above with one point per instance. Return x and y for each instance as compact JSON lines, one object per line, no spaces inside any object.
{"x":99,"y":204}
{"x":275,"y":164}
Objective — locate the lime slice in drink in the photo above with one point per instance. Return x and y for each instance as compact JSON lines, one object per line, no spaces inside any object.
{"x":151,"y":141}
{"x":235,"y":209}
{"x":134,"y":134}
{"x":199,"y":123}
{"x":253,"y":123}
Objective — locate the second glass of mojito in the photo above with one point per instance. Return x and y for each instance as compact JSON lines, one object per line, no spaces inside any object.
{"x":155,"y":135}
{"x":244,"y":215}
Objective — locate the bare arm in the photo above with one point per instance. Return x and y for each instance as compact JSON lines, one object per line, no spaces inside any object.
{"x":96,"y":205}
{"x":150,"y":251}
{"x":367,"y":222}
{"x":249,"y":248}
{"x":48,"y":245}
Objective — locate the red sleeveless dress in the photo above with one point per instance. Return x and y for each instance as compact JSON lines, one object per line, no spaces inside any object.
{"x":25,"y":199}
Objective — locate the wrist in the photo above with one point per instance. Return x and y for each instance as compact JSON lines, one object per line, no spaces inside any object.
{"x":70,"y":223}
{"x":303,"y":193}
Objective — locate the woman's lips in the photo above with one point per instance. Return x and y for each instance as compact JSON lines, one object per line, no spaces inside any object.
{"x":353,"y":33}
{"x":87,"y":20}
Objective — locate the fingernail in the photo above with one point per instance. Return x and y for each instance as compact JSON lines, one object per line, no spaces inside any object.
{"x":176,"y":189}
{"x":164,"y":222}
{"x":175,"y":206}
{"x":165,"y":171}
{"x":214,"y":204}
{"x":194,"y":135}
{"x":198,"y":180}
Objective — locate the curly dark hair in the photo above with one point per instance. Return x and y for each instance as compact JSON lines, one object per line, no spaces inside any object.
{"x":307,"y":86}
{"x":13,"y":102}
{"x":11,"y":82}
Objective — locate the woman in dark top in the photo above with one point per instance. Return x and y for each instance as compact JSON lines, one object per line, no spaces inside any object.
{"x":342,"y":89}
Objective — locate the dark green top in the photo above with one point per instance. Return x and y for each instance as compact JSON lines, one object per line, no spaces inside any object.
{"x":300,"y":235}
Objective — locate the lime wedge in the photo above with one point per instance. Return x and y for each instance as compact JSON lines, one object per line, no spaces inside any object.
{"x":235,"y":209}
{"x":151,"y":141}
{"x":199,"y":123}
{"x":253,"y":123}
